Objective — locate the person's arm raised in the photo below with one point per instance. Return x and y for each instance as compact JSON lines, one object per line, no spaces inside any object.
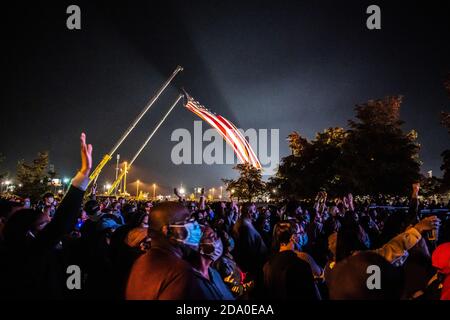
{"x":351,"y":204}
{"x":93,"y":195}
{"x":399,"y":245}
{"x":413,"y":211}
{"x":67,"y":212}
{"x":202,"y":204}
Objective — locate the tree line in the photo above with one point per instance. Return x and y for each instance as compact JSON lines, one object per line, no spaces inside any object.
{"x":373,"y":156}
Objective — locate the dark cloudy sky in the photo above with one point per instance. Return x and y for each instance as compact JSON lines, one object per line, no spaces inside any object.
{"x":290,"y":65}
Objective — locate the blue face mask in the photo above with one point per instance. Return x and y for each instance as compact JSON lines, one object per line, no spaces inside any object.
{"x":266,"y":227}
{"x":366,"y":241}
{"x":189,"y":233}
{"x":302,"y":240}
{"x":230,"y":244}
{"x":307,"y":218}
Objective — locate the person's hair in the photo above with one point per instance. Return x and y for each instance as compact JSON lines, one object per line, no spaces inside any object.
{"x":394,"y":224}
{"x":166,"y":213}
{"x":245,"y":212}
{"x":291,"y":207}
{"x":48,"y":195}
{"x":196,"y":214}
{"x":7,"y":207}
{"x":349,"y":278}
{"x":348,"y":239}
{"x":282,"y":233}
{"x":331,"y":225}
{"x":15,"y":231}
{"x":137,"y":218}
{"x":225,"y":237}
{"x":365,"y":221}
{"x":260,"y":222}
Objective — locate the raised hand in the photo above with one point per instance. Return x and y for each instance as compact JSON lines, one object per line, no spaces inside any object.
{"x":86,"y":156}
{"x":350,"y":202}
{"x":350,"y":197}
{"x":427,"y":224}
{"x":415,"y":190}
{"x":94,"y":188}
{"x":346,"y":202}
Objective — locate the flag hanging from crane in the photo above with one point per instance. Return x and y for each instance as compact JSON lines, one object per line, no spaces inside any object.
{"x":227,"y":130}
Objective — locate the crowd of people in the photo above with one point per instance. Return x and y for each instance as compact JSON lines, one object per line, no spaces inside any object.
{"x":311,"y":250}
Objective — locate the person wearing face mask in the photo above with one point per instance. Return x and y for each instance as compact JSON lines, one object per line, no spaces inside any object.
{"x":210,"y":250}
{"x":231,"y":274}
{"x":250,"y":251}
{"x":300,"y":241}
{"x":163,"y":273}
{"x":286,"y":276}
{"x":262,"y":225}
{"x":200,"y":217}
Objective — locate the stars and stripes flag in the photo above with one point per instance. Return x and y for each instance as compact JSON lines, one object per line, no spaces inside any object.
{"x":227,"y":130}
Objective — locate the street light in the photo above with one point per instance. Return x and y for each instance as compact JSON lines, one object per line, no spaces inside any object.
{"x":154,"y":191}
{"x":65,"y":181}
{"x":107,"y":186}
{"x":7,"y":183}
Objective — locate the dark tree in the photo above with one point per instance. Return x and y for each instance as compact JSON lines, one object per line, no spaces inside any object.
{"x":249,"y":185}
{"x":374,"y":156}
{"x":430,"y":186}
{"x":445,"y":121}
{"x":379,"y":157}
{"x":312,"y":165}
{"x":2,"y":173}
{"x":33,"y":177}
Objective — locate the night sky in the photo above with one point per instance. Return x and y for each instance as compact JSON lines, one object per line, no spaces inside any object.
{"x":288,"y":65}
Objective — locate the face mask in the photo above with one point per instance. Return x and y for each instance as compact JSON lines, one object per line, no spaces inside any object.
{"x":302,"y":240}
{"x":230,"y":244}
{"x":266,"y":226}
{"x":213,"y":250}
{"x":366,"y":240}
{"x":307,"y":218}
{"x":189,"y":233}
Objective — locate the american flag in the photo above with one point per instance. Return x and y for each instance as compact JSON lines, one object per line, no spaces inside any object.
{"x":227,"y":130}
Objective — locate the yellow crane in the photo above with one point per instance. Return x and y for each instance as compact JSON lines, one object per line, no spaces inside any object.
{"x":127,"y":167}
{"x":94,"y":175}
